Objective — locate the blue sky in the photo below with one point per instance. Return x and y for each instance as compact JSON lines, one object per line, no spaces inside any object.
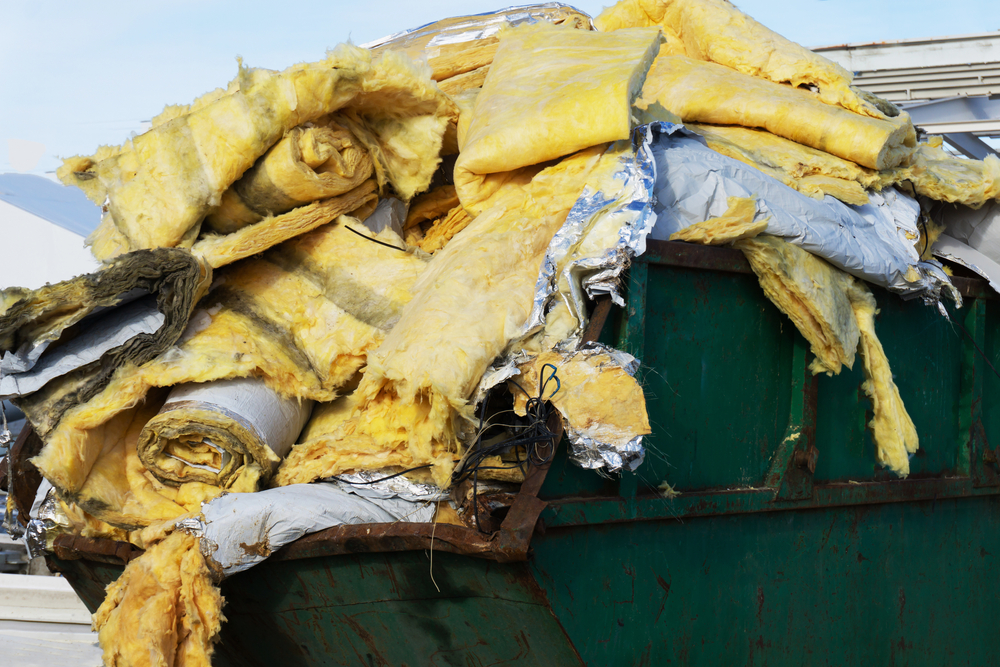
{"x":74,"y":75}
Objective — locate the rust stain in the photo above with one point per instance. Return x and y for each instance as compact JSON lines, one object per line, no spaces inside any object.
{"x":665,"y":585}
{"x":262,"y":548}
{"x":369,"y":641}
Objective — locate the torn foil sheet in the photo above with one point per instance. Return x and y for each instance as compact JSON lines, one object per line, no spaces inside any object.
{"x":586,"y":448}
{"x":240,"y":530}
{"x":579,"y":261}
{"x":480,"y":26}
{"x":593,"y":454}
{"x":872,"y":242}
{"x":965,"y":255}
{"x":42,"y":530}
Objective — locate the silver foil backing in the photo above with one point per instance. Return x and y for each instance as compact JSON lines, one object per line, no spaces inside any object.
{"x":576,"y":273}
{"x":481,"y":26}
{"x":400,"y":486}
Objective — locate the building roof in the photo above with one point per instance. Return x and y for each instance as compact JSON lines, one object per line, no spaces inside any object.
{"x":915,"y":70}
{"x":66,"y":207}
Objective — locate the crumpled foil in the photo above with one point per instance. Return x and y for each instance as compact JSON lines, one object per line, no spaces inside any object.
{"x":481,"y":26}
{"x":590,"y":453}
{"x":574,"y":273}
{"x":399,"y":486}
{"x":42,"y":529}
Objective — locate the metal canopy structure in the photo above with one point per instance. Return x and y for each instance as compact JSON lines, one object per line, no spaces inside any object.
{"x":949,"y":85}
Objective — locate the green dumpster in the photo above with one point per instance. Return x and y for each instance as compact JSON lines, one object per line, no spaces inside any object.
{"x":776,"y":540}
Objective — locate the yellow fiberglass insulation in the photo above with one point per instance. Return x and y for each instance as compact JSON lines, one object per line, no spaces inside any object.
{"x":442,"y":230}
{"x":716,"y":31}
{"x":311,"y":162}
{"x":431,"y":205}
{"x":550,"y":92}
{"x":163,"y":611}
{"x":892,"y":429}
{"x":813,"y":294}
{"x":302,"y":317}
{"x":810,"y":171}
{"x":836,"y":314}
{"x":596,"y":396}
{"x":160,"y":185}
{"x":940,"y":176}
{"x":468,"y":305}
{"x":736,"y":224}
{"x":222,"y":249}
{"x":704,"y":92}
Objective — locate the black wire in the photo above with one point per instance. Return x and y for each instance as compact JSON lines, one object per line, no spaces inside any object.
{"x":534,"y":436}
{"x":374,"y":240}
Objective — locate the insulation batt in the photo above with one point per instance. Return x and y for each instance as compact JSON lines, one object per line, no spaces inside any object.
{"x":302,"y":318}
{"x":937,"y":175}
{"x":814,"y":295}
{"x":516,"y":122}
{"x":704,"y":92}
{"x":308,"y":164}
{"x":716,"y":31}
{"x":160,"y":185}
{"x":163,"y":611}
{"x":468,"y":305}
{"x":431,"y":205}
{"x":221,"y":432}
{"x":892,"y":429}
{"x":444,"y":229}
{"x":222,"y":249}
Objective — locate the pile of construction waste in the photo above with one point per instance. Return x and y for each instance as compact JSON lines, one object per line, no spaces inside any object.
{"x":331,"y":293}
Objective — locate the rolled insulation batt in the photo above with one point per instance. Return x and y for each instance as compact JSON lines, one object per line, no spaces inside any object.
{"x":208,"y":432}
{"x":309,"y":164}
{"x":704,"y":92}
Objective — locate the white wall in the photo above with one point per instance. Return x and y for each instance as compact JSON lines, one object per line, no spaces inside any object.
{"x":34,"y":251}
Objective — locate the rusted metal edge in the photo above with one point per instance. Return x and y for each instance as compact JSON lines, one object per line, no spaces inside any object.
{"x":731,"y":260}
{"x":384,"y":537}
{"x":23,"y":478}
{"x":73,"y":547}
{"x":572,"y":511}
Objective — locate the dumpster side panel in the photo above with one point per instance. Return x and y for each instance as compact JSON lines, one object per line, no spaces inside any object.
{"x":889,"y":584}
{"x":375,"y":609}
